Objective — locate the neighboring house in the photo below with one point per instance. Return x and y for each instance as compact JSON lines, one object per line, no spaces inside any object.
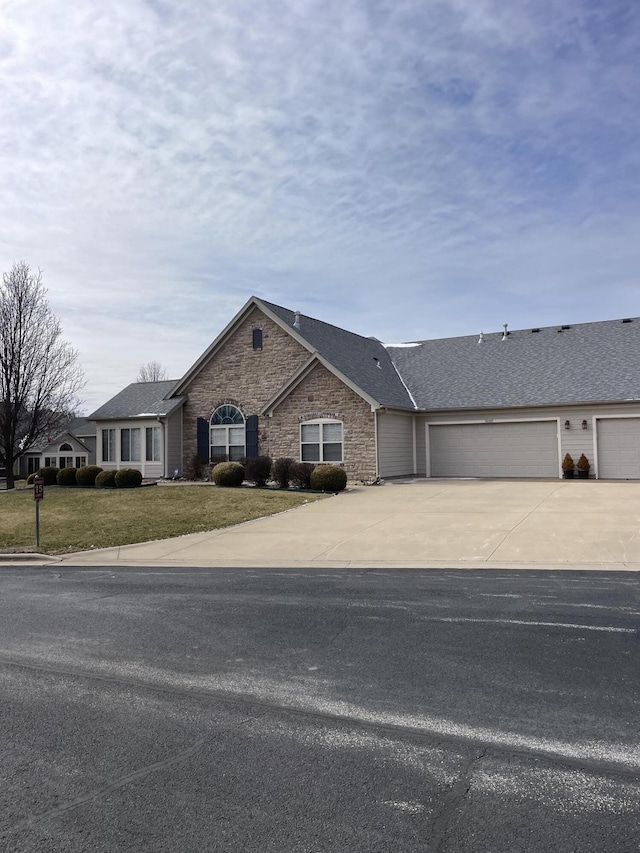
{"x":73,"y":448}
{"x":140,"y":428}
{"x":507,"y":404}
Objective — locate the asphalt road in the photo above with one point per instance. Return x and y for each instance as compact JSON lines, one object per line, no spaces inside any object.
{"x":263,"y":710}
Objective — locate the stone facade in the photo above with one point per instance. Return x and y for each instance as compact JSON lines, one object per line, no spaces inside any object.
{"x":248,"y":378}
{"x":323,"y":395}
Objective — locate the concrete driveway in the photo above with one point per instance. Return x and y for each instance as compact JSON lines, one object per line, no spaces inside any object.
{"x":423,"y":523}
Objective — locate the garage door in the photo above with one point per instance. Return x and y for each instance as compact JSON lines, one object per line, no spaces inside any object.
{"x":494,"y":450}
{"x":619,"y":448}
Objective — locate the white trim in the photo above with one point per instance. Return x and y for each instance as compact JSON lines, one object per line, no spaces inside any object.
{"x":415,"y":449}
{"x":490,"y":421}
{"x":320,"y":423}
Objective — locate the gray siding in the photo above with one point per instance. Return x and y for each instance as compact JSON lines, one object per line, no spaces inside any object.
{"x":395,"y":445}
{"x":574,"y":440}
{"x":173,"y":437}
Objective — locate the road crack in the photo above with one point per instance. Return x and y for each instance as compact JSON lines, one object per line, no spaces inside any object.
{"x":451,"y":801}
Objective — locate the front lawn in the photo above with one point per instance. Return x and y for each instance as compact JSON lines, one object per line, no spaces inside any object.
{"x":82,"y":519}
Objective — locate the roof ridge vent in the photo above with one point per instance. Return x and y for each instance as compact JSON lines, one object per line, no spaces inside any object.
{"x":564,"y":328}
{"x":533,"y":331}
{"x":627,"y":320}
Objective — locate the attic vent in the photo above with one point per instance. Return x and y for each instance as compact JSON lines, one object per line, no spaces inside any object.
{"x":377,"y":361}
{"x":564,"y":328}
{"x":534,"y":331}
{"x":296,"y":321}
{"x":627,"y":320}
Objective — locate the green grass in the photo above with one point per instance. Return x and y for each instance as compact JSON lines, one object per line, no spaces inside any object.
{"x":82,"y":519}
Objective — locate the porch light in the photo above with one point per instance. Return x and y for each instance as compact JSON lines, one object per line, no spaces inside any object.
{"x":584,"y":425}
{"x":567,"y":424}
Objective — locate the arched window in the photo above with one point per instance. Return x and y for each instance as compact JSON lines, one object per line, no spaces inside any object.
{"x":66,"y":446}
{"x":227,"y":434}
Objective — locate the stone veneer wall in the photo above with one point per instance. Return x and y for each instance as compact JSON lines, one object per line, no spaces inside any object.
{"x":247,"y":378}
{"x":242,"y":376}
{"x":321,"y":394}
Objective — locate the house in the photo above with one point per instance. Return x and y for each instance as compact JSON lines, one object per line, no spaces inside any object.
{"x":141,"y":427}
{"x":73,"y":448}
{"x":506,"y":404}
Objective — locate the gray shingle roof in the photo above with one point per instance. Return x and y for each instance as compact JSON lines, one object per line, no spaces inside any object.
{"x":588,"y":362}
{"x":354,"y":356}
{"x":81,"y":427}
{"x":138,"y":400}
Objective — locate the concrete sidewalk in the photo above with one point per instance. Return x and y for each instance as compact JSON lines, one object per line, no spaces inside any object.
{"x":422,"y":524}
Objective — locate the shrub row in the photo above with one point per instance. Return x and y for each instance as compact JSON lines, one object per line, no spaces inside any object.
{"x":88,"y":475}
{"x":285,"y":472}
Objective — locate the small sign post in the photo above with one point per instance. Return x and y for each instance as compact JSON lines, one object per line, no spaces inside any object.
{"x":38,"y":495}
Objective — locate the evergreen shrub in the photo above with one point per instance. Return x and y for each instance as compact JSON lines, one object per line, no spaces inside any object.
{"x":128,"y":478}
{"x":86,"y":476}
{"x":230,"y":474}
{"x":328,"y":478}
{"x":106,"y":480}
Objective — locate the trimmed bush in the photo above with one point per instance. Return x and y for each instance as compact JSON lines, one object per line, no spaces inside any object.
{"x":583,"y":463}
{"x":328,"y":478}
{"x":128,"y":478}
{"x":86,"y":476}
{"x":301,"y":474}
{"x":49,"y":475}
{"x":258,"y":470}
{"x":282,"y":471}
{"x":106,"y":480}
{"x":66,"y":477}
{"x":230,"y":474}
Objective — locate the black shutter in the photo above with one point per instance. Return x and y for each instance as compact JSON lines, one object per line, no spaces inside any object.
{"x":203,"y":440}
{"x":252,"y":436}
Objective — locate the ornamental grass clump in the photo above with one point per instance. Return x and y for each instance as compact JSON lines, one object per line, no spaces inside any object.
{"x":86,"y":476}
{"x":228,"y":474}
{"x":258,"y":470}
{"x":128,"y":478}
{"x":328,"y":478}
{"x":66,"y":477}
{"x":106,"y":480}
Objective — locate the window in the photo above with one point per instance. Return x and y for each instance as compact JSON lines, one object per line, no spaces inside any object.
{"x":321,"y":441}
{"x":257,"y":338}
{"x":130,"y":445}
{"x":33,"y":463}
{"x":50,"y":462}
{"x":81,"y":461}
{"x":65,"y":462}
{"x":65,"y":446}
{"x":152,"y":444}
{"x":227,"y":434}
{"x":109,"y":445}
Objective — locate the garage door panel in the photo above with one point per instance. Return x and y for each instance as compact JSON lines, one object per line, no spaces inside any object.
{"x":494,"y":450}
{"x":618,"y":448}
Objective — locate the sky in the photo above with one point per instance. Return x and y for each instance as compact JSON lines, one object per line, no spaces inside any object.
{"x":407,"y":169}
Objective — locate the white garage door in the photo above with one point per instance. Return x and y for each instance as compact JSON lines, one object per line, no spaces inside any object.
{"x":494,"y":450}
{"x":619,"y":448}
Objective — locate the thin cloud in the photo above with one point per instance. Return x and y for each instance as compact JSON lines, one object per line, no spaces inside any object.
{"x":404,"y":169}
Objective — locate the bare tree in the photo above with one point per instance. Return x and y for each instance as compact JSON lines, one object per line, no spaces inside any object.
{"x":152,"y":371}
{"x":39,"y":372}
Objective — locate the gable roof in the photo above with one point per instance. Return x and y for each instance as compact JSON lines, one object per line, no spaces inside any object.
{"x":362,"y":363}
{"x":140,"y":400}
{"x":585,"y":363}
{"x":54,"y":443}
{"x":81,"y":427}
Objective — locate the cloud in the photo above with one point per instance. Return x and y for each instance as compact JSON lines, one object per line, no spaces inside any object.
{"x":380,"y":164}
